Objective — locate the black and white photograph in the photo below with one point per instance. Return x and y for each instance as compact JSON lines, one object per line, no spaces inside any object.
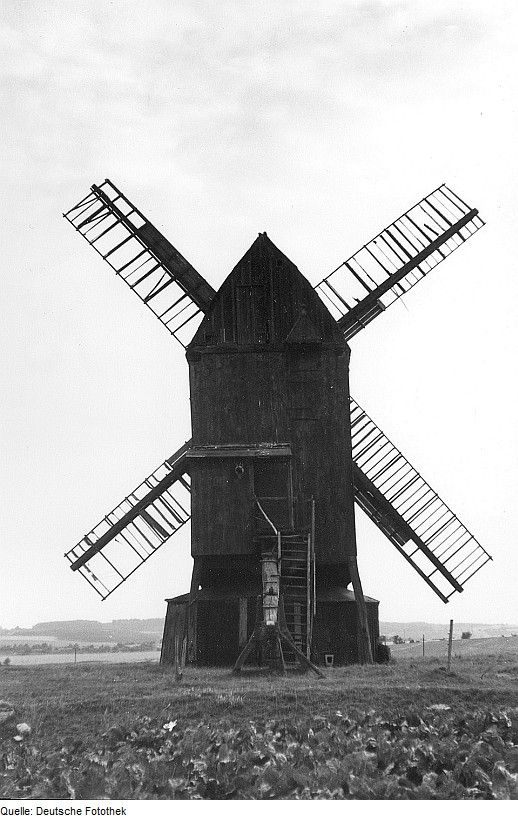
{"x":259,"y":404}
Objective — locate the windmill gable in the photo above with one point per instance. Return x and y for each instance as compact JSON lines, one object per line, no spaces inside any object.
{"x":262,"y":301}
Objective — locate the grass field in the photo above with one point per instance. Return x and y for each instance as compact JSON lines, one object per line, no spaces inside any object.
{"x":472,"y":648}
{"x":83,"y":657}
{"x":405,"y":730}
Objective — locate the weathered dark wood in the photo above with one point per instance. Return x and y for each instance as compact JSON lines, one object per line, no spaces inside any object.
{"x":167,"y":650}
{"x":305,"y":662}
{"x":284,"y":381}
{"x":365,"y":647}
{"x":180,"y":641}
{"x":274,"y":636}
{"x":243,"y":622}
{"x":240,"y":451}
{"x":193,"y":612}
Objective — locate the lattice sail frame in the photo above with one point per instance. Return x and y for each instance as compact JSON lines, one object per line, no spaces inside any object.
{"x":143,"y":258}
{"x":134,"y":530}
{"x":388,"y":266}
{"x":410,"y":513}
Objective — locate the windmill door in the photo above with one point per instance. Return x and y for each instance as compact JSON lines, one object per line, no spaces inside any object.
{"x":272,"y":484}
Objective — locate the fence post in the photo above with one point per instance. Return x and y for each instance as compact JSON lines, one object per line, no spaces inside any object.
{"x":423,"y":646}
{"x":450,"y":639}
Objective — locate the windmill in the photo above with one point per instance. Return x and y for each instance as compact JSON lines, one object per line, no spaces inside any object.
{"x":280,"y":451}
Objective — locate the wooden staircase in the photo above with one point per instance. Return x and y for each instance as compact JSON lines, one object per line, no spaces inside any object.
{"x":285,"y":608}
{"x":295,"y":556}
{"x":297,"y":587}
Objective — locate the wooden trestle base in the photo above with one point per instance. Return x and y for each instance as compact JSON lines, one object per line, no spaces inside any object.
{"x":364,"y":641}
{"x":271,"y":638}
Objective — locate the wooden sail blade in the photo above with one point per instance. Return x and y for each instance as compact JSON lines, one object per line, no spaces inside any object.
{"x":388,"y":266}
{"x":125,"y":538}
{"x":409,"y":512}
{"x":151,"y":267}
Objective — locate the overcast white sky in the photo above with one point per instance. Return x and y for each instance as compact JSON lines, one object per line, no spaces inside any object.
{"x":317,"y":122}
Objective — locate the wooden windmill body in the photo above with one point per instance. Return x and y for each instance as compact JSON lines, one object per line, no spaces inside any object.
{"x":280,"y":452}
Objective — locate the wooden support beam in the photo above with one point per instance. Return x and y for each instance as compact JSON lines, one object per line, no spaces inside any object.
{"x":254,"y":639}
{"x":240,"y":451}
{"x":262,"y":635}
{"x":166,"y":653}
{"x":281,"y":655}
{"x":286,"y":637}
{"x":243,"y":622}
{"x":243,"y":655}
{"x":192,"y":616}
{"x":364,"y":643}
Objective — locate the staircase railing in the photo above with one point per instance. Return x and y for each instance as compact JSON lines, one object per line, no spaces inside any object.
{"x":272,"y":525}
{"x":287,"y":542}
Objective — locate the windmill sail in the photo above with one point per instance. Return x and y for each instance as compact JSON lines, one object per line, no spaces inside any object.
{"x":389,"y":490}
{"x":396,"y":259}
{"x":409,"y":512}
{"x":125,"y":538}
{"x":151,"y":267}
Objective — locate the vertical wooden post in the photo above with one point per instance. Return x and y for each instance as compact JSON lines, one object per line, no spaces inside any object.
{"x":243,"y":623}
{"x":309,"y":602}
{"x":281,"y":654}
{"x":313,"y":557}
{"x":192,"y":615}
{"x":177,"y":672}
{"x":167,"y":650}
{"x":423,"y":646}
{"x":450,"y":640}
{"x":297,"y":622}
{"x":180,"y":640}
{"x":365,"y":648}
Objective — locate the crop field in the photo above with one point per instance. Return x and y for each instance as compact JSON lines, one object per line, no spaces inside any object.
{"x":406,"y":730}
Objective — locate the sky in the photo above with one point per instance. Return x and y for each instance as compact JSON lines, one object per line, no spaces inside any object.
{"x":316,"y":122}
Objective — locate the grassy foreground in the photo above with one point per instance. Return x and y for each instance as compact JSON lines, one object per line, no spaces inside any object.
{"x":408,"y":730}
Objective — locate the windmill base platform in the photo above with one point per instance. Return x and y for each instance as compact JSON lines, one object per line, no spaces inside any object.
{"x":213,"y":629}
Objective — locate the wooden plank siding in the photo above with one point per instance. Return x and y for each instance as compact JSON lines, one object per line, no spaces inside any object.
{"x":283,"y":380}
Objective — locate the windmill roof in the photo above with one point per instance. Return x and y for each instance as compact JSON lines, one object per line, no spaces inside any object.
{"x":267,"y":300}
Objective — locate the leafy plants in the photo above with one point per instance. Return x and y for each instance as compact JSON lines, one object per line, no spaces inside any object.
{"x":400,"y":731}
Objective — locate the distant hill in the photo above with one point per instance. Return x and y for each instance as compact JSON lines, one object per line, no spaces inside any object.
{"x":133,"y":630}
{"x":432,"y":632}
{"x":120,"y":631}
